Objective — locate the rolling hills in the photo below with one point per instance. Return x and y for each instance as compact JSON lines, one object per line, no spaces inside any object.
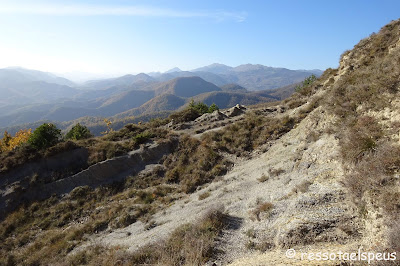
{"x":32,"y":96}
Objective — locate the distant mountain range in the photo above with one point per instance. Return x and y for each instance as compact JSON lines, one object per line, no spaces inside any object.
{"x":29,"y":96}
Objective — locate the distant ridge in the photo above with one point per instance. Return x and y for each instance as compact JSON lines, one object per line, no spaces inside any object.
{"x":29,"y":95}
{"x":175,"y":69}
{"x":215,"y":68}
{"x":186,"y":87}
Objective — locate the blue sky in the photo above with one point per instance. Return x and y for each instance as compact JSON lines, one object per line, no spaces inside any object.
{"x":120,"y":37}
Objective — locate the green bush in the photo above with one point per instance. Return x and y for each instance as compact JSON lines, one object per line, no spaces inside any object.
{"x":193,"y":111}
{"x":78,"y":132}
{"x":305,"y":83}
{"x":142,"y":137}
{"x":201,"y":108}
{"x":45,"y":136}
{"x":213,"y":107}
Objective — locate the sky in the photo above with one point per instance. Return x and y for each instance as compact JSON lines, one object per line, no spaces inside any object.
{"x":121,"y":36}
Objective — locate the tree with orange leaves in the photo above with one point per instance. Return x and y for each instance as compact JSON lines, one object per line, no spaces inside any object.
{"x":8,"y":142}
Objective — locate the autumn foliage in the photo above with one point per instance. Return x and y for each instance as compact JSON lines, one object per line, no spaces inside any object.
{"x":8,"y":142}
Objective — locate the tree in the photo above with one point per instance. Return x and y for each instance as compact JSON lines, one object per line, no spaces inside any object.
{"x":200,"y":108}
{"x":213,"y":107}
{"x":8,"y":142}
{"x":78,"y":132}
{"x":45,"y":136}
{"x":109,"y":128}
{"x":20,"y":137}
{"x":306,"y":82}
{"x":6,"y":139}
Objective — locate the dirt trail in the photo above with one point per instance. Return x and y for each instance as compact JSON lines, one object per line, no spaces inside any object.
{"x":309,"y":202}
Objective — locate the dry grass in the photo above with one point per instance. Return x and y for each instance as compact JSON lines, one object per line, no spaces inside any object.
{"x":275,"y":172}
{"x":370,"y":156}
{"x":45,"y":232}
{"x":191,"y":244}
{"x":263,"y":178}
{"x":262,"y":207}
{"x":302,"y":187}
{"x":194,"y":163}
{"x":253,"y":131}
{"x":204,"y":195}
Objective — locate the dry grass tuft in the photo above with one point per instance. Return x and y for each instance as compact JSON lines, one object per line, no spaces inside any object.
{"x":262,"y":207}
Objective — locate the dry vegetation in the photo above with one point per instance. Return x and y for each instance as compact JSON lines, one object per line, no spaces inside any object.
{"x":254,"y":130}
{"x":45,"y":232}
{"x":369,"y":153}
{"x":262,"y":207}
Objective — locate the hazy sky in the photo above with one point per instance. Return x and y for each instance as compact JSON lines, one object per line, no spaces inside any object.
{"x":142,"y":36}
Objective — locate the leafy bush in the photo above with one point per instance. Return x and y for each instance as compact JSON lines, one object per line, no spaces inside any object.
{"x":305,"y":83}
{"x":201,"y":108}
{"x":193,"y":111}
{"x":186,"y":115}
{"x":9,"y":142}
{"x":45,"y":136}
{"x":78,"y":132}
{"x":142,"y":137}
{"x":213,"y":107}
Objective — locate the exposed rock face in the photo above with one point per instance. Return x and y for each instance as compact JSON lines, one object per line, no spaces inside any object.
{"x":236,"y":110}
{"x":214,"y":116}
{"x":105,"y":172}
{"x":73,"y":161}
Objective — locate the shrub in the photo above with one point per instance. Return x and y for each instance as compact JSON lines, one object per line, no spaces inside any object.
{"x":193,"y":111}
{"x":201,"y":108}
{"x":251,"y":132}
{"x":45,"y":136}
{"x":204,"y":195}
{"x":213,"y":107}
{"x":142,"y":137}
{"x":186,"y":115}
{"x":262,"y":207}
{"x":306,"y":83}
{"x":8,"y":143}
{"x":190,"y":244}
{"x":193,"y":163}
{"x":78,"y":132}
{"x":275,"y":172}
{"x":302,"y":187}
{"x":263,"y":178}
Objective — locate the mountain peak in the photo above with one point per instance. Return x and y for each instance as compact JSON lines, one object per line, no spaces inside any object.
{"x":172,"y":70}
{"x":215,"y":68}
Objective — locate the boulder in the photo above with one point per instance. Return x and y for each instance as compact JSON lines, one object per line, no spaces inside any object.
{"x":236,"y":110}
{"x":211,"y":117}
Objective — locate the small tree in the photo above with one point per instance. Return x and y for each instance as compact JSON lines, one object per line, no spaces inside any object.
{"x":306,"y":82}
{"x":201,"y":108}
{"x":109,"y":128}
{"x":78,"y":132}
{"x":6,"y":139}
{"x":8,"y":142}
{"x":20,"y":138}
{"x":213,"y":107}
{"x":4,"y":142}
{"x":45,"y":136}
